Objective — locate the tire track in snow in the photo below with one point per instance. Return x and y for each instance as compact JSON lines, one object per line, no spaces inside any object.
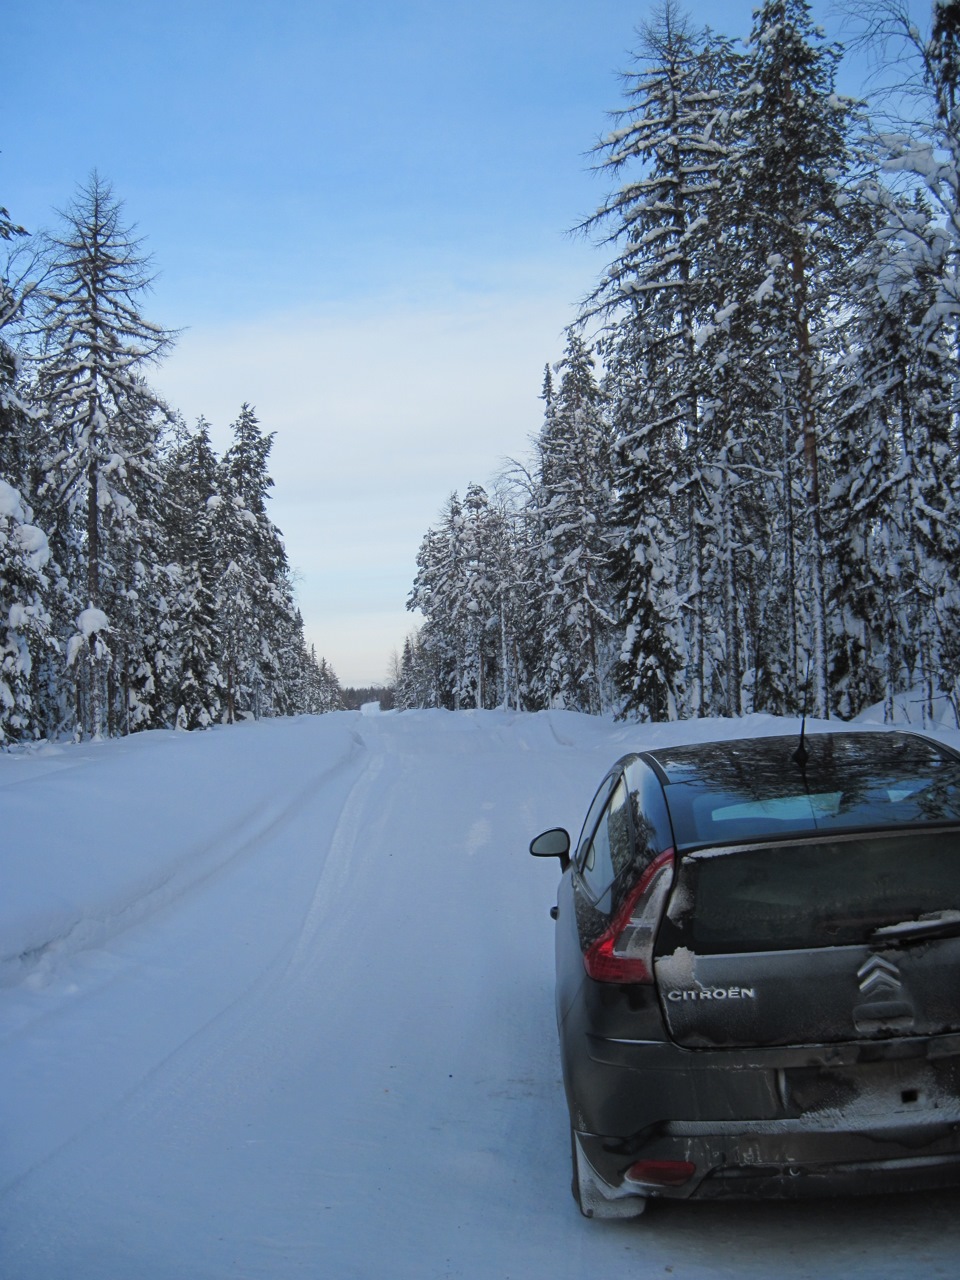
{"x":192,"y":873}
{"x":232,"y":1046}
{"x":197,"y":864}
{"x":142,"y":1092}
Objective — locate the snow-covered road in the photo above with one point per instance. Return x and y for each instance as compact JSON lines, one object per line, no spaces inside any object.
{"x":276,"y":1001}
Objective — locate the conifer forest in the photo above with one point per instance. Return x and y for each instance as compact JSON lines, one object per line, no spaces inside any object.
{"x":142,"y":582}
{"x":744,"y":494}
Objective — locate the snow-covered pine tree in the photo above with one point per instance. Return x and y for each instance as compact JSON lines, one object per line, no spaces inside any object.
{"x":194,"y":695}
{"x":574,"y":503}
{"x":521,"y":593}
{"x":475,"y":601}
{"x":261,"y":643}
{"x":413,"y":688}
{"x":524,"y":581}
{"x":738,"y":554}
{"x":329,"y":693}
{"x":436,"y":593}
{"x":788,"y":185}
{"x":104,"y":426}
{"x":24,"y":620}
{"x":24,"y":553}
{"x":920,"y":289}
{"x":647,"y":531}
{"x":14,"y":293}
{"x":670,"y":141}
{"x":871,"y":385}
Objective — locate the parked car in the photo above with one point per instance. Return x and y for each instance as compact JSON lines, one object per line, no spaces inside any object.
{"x":758,"y":971}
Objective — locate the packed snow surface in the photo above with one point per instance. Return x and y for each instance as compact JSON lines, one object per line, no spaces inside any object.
{"x":276,"y":1001}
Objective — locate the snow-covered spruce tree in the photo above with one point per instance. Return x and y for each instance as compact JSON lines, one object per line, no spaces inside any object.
{"x":647,"y":531}
{"x":103,"y":425}
{"x":517,"y":621}
{"x":669,"y":140}
{"x":418,"y":682}
{"x":574,"y":501}
{"x":414,"y":687}
{"x":260,"y":642}
{"x":523,"y":590}
{"x":739,"y":477}
{"x":925,"y":145}
{"x":475,"y":601}
{"x":194,"y":694}
{"x":892,"y":509}
{"x":14,"y":293}
{"x":281,"y":626}
{"x":471,"y":588}
{"x":405,"y":691}
{"x":527,"y":587}
{"x":436,"y":594}
{"x":24,"y":620}
{"x":308,"y":691}
{"x":924,"y":151}
{"x":143,"y":589}
{"x":315,"y":688}
{"x":788,"y":185}
{"x":427,"y":678}
{"x":328,"y":692}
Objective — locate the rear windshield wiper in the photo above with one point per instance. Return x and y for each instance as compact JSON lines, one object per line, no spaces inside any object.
{"x":935,"y":924}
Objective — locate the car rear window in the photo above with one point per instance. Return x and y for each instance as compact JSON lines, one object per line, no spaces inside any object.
{"x":724,"y":793}
{"x":825,"y":893}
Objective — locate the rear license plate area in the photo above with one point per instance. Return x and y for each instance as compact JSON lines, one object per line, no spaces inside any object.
{"x":869,"y":1090}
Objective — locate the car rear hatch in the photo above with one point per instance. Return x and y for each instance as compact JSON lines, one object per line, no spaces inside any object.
{"x":813,"y":941}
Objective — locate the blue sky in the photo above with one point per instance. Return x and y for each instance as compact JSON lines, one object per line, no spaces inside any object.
{"x":358,"y":216}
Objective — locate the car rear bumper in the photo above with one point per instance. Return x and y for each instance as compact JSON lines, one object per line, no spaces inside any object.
{"x":798,"y":1121}
{"x":918,"y":1173}
{"x":786,"y":1161}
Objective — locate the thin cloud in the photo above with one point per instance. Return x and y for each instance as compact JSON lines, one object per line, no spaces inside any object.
{"x":380,"y":412}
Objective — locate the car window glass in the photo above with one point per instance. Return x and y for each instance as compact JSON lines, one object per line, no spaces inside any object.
{"x":719,"y":793}
{"x":609,"y":850}
{"x":649,"y":809}
{"x":593,"y":817}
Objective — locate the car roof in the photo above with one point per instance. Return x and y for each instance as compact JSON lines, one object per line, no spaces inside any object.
{"x":747,"y":789}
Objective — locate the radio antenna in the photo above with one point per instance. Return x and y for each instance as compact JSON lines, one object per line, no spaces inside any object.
{"x":802,"y":755}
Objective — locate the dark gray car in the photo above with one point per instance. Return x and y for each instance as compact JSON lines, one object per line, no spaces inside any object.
{"x":758,"y":971}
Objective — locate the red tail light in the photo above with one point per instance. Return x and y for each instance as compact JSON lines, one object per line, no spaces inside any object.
{"x":661,"y":1173}
{"x":624,"y":952}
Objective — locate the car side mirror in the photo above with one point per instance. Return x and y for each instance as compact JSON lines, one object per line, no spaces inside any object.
{"x":554,"y":843}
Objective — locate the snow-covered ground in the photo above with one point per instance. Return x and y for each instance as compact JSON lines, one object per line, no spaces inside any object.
{"x":276,"y":1001}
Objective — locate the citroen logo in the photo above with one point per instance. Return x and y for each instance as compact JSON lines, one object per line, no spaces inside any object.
{"x":878,"y":975}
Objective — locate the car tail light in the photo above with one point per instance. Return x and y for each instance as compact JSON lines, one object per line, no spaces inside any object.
{"x":661,"y":1173}
{"x":624,"y":951}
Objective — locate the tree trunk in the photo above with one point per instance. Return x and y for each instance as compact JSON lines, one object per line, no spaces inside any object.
{"x":808,"y":421}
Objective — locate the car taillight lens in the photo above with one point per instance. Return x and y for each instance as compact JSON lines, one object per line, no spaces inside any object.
{"x":624,"y":951}
{"x":661,"y":1173}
